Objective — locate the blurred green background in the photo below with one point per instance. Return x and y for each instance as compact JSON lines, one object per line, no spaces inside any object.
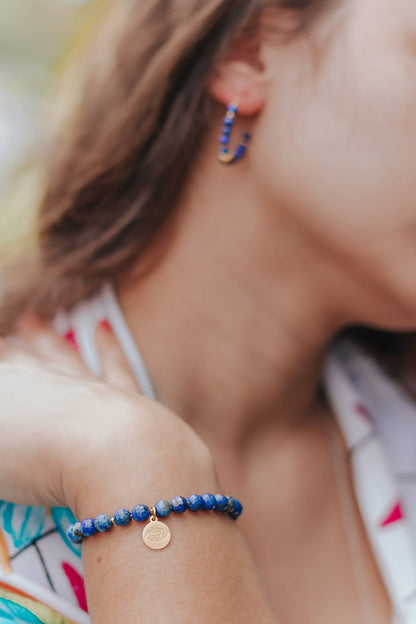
{"x":36,"y":39}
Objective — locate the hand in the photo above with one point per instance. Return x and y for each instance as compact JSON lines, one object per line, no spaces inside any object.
{"x":94,"y":445}
{"x":64,"y":431}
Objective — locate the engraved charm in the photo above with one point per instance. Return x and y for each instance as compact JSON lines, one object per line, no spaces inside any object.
{"x":156,"y":534}
{"x":226,"y":158}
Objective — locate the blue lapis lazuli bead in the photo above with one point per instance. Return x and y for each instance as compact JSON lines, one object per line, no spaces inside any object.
{"x":230,"y":504}
{"x":179,"y":504}
{"x":74,"y":533}
{"x":227,"y":130}
{"x":224,"y":139}
{"x":208,"y":502}
{"x":103,"y":523}
{"x":246,"y":136}
{"x":122,"y":517}
{"x":195,"y":502}
{"x":220,"y":502}
{"x":140,"y":513}
{"x":239,"y":152}
{"x":232,"y":108}
{"x":88,"y":527}
{"x":228,"y":121}
{"x":163,"y":508}
{"x":238,"y":510}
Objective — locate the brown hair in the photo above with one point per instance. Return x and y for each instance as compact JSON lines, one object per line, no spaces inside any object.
{"x":117,"y":169}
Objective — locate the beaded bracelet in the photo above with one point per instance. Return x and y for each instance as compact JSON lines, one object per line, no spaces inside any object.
{"x":156,"y":534}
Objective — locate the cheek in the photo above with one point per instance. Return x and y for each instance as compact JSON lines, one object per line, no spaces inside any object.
{"x":343,"y":163}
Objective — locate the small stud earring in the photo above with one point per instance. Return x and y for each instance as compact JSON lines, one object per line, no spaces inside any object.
{"x":226,"y":156}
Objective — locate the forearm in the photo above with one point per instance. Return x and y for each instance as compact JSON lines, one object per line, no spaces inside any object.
{"x":71,"y":440}
{"x":205,"y":574}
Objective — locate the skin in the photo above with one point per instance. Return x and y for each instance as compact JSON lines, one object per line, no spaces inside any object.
{"x":67,"y":430}
{"x":321,"y":205}
{"x":261,"y":265}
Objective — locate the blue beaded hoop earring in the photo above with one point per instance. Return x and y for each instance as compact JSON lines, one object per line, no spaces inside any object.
{"x":226,"y":156}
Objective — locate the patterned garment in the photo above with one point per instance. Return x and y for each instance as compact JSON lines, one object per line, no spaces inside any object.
{"x":41,"y":576}
{"x":378,"y":421}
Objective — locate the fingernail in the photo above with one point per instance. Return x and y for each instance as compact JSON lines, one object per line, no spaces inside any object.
{"x":70,"y":337}
{"x":28,"y":319}
{"x":104,"y":324}
{"x":15,"y":340}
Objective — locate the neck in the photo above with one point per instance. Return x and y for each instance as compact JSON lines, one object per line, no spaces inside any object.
{"x":232,"y":319}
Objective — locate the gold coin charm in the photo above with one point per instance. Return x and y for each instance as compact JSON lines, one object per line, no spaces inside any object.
{"x":156,"y":534}
{"x":226,"y":157}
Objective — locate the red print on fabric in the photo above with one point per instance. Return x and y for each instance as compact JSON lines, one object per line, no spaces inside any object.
{"x":394,"y":516}
{"x":363,"y":411}
{"x":70,"y":336}
{"x":77,"y":584}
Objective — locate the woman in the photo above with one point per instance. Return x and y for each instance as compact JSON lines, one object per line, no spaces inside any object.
{"x":227,"y":292}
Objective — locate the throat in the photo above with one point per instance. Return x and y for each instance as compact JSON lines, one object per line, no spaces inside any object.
{"x":248,"y":424}
{"x":232,"y":342}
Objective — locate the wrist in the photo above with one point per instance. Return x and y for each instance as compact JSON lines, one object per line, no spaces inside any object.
{"x":136,"y":456}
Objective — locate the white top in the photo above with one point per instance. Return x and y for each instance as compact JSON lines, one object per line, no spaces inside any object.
{"x":41,"y":571}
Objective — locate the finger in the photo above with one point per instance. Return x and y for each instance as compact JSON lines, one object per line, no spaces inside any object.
{"x":15,"y":350}
{"x":115,"y":368}
{"x":12,"y":347}
{"x":15,"y":341}
{"x":48,"y":344}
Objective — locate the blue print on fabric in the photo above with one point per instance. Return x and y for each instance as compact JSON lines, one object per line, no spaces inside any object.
{"x":12,"y":613}
{"x":62,"y":518}
{"x":24,"y":524}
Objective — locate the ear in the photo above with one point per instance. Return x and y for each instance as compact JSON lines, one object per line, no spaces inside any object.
{"x":240,"y":73}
